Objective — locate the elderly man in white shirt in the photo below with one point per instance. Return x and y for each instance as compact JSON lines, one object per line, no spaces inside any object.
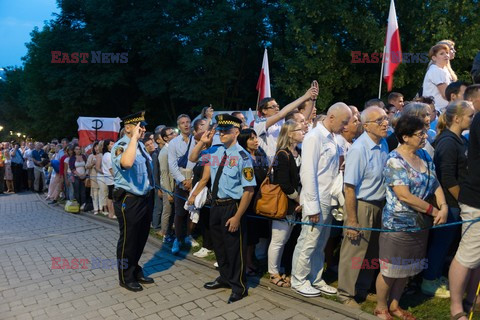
{"x":181,"y":169}
{"x":320,"y":166}
{"x":269,"y":125}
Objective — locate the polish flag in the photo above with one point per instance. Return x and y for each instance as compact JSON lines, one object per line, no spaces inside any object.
{"x":250,"y":118}
{"x":91,"y":129}
{"x":263,"y":84}
{"x":393,"y":51}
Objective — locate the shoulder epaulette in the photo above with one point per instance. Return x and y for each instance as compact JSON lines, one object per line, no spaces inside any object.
{"x":244,"y":155}
{"x":122,"y":143}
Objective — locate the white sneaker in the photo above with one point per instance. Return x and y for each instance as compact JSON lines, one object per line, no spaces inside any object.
{"x":324,"y":288}
{"x":191,"y":242}
{"x":308,"y":291}
{"x":202,"y":253}
{"x":215,"y":264}
{"x":176,"y":247}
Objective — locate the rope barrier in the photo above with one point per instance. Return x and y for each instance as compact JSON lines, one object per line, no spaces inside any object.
{"x":445,"y":225}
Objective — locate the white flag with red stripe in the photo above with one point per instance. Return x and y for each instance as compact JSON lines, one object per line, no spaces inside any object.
{"x":393,"y":51}
{"x":92,"y":129}
{"x":263,"y":83}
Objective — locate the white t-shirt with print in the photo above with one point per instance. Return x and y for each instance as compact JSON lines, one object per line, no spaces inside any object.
{"x":434,"y":77}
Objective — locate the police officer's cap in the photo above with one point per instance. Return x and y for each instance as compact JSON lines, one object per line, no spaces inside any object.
{"x":135,"y":118}
{"x":226,"y":122}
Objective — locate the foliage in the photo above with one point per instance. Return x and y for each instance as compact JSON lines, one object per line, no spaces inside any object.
{"x":185,"y":54}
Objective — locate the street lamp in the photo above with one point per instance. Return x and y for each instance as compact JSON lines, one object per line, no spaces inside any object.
{"x":1,"y":128}
{"x":18,"y":134}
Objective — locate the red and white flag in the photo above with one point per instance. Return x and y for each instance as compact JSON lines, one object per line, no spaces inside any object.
{"x":263,"y":84}
{"x":250,"y":118}
{"x":92,"y":129}
{"x":393,"y":51}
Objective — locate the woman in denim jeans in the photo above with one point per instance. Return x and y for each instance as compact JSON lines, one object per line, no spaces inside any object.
{"x":77,"y":165}
{"x":451,"y":168}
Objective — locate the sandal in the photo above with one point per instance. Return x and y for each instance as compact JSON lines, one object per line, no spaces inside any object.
{"x":286,"y":279}
{"x":458,"y":315}
{"x":384,"y":313}
{"x":279,"y":281}
{"x":402,"y":314}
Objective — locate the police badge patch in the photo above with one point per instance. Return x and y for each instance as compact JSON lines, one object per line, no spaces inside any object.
{"x":248,"y":174}
{"x":233,"y":162}
{"x":118,"y":151}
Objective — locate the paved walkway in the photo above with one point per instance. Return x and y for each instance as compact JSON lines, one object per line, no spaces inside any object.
{"x":31,"y":233}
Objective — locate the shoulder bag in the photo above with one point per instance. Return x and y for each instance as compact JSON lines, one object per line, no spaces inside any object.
{"x":271,"y":201}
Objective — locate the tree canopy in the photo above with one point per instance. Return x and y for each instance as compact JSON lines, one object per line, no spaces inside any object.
{"x":186,"y":54}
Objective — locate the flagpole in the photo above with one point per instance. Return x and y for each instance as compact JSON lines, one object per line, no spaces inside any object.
{"x":258,"y":98}
{"x":381,"y":74}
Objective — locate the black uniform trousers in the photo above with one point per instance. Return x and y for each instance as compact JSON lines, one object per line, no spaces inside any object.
{"x":229,"y":247}
{"x":17,"y":170}
{"x":134,"y":215}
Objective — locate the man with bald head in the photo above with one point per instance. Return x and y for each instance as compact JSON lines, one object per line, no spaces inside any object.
{"x":364,"y":201}
{"x":320,"y":167}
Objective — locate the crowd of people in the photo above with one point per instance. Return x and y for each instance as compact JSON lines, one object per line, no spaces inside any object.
{"x":401,"y":167}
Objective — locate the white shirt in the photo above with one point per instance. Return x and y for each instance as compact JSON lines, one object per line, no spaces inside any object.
{"x":28,"y":156}
{"x":65,"y":163}
{"x":176,"y":149}
{"x":320,"y":166}
{"x":433,"y":78}
{"x":343,"y":145}
{"x":267,"y":138}
{"x":106,"y":166}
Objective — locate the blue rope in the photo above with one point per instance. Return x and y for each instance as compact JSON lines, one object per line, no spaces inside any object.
{"x":445,"y":225}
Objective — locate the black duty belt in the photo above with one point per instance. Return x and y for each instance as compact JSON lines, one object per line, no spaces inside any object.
{"x":119,"y":193}
{"x":225,"y":202}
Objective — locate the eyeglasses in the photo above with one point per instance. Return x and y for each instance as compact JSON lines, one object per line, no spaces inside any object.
{"x":379,"y":121}
{"x":420,"y":134}
{"x":276,"y":106}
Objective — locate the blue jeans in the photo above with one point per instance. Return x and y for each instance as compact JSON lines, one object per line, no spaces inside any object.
{"x":439,"y":242}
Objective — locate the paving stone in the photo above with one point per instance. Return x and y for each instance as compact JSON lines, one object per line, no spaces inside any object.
{"x":179,"y":311}
{"x":34,"y":290}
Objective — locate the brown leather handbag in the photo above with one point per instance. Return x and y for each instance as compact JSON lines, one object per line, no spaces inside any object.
{"x":271,"y":201}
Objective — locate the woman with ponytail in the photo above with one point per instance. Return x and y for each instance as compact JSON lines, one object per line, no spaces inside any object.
{"x":451,"y":168}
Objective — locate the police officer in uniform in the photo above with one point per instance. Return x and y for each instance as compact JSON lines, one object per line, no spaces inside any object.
{"x":231,"y":172}
{"x":133,"y":200}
